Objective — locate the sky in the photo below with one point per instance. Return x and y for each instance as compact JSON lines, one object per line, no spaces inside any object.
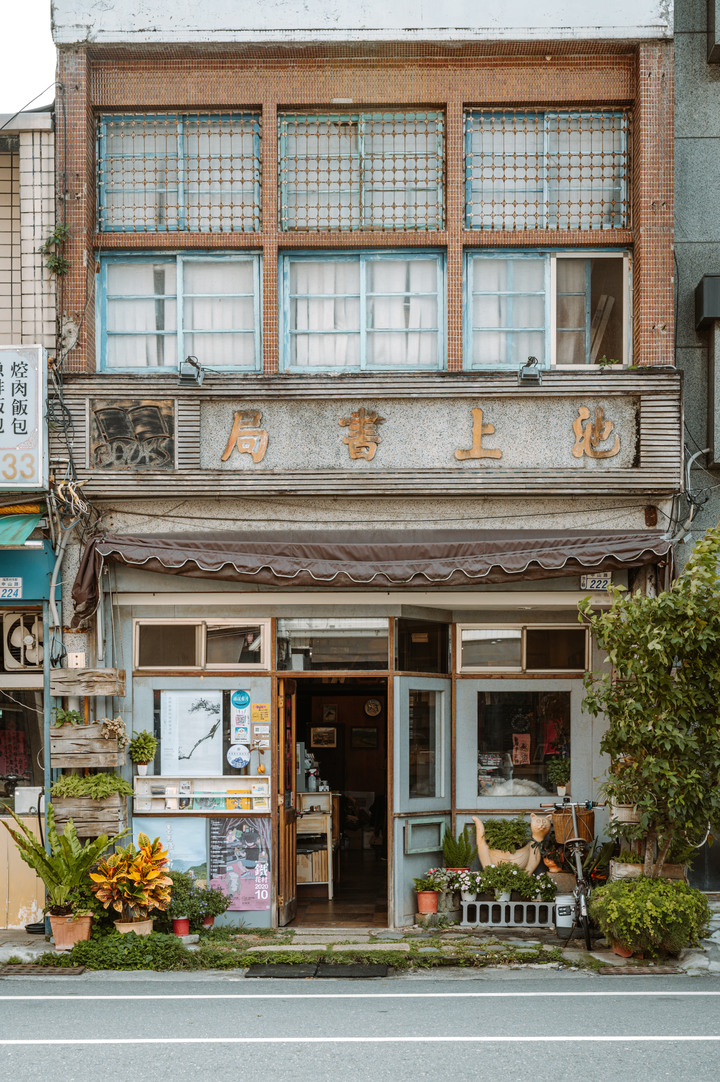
{"x":28,"y":60}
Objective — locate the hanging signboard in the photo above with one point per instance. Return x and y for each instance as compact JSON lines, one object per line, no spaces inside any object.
{"x":240,"y":861}
{"x":23,"y":435}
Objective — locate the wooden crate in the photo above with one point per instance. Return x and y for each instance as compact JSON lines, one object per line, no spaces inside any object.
{"x":312,"y":867}
{"x":91,"y":817}
{"x":82,"y":745}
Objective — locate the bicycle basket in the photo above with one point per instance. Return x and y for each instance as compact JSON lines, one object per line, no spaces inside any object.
{"x":562,"y":821}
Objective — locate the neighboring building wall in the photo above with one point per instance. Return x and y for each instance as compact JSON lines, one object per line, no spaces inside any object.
{"x":27,"y":218}
{"x":697,"y":239}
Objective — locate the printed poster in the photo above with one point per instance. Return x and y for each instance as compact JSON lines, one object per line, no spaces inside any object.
{"x":185,"y":840}
{"x":240,"y":861}
{"x":191,"y":733}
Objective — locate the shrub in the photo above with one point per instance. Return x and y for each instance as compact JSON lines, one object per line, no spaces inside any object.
{"x":130,"y":951}
{"x":460,"y":852}
{"x":650,"y":915}
{"x":558,"y":771}
{"x":506,"y":834}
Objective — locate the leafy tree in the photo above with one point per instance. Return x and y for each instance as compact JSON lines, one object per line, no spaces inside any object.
{"x":662,"y":701}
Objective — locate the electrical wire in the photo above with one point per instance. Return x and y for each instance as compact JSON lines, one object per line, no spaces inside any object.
{"x":10,"y":119}
{"x":353,"y":522}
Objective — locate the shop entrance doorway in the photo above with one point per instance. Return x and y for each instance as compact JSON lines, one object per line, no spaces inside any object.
{"x":341,"y":799}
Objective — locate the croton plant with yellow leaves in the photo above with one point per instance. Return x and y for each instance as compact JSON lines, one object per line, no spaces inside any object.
{"x":133,"y":880}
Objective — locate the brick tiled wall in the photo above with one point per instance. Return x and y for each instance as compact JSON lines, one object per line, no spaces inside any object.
{"x":401,"y":75}
{"x":27,"y":217}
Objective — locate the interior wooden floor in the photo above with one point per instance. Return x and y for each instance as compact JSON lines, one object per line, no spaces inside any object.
{"x":360,"y":896}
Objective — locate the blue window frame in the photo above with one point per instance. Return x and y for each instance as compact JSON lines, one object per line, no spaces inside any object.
{"x":353,"y":171}
{"x":175,"y":172}
{"x":382,"y":311}
{"x":567,"y":308}
{"x":156,"y":309}
{"x":546,"y":169}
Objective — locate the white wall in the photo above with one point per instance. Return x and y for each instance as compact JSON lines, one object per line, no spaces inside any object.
{"x":339,"y":20}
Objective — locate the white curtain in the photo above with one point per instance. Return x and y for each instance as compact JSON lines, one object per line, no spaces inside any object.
{"x":508,"y":310}
{"x":402,"y":300}
{"x":141,"y":300}
{"x":219,"y":312}
{"x":325,"y":313}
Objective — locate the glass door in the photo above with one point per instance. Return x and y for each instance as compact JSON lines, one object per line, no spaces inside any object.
{"x":287,"y":815}
{"x":422,"y":791}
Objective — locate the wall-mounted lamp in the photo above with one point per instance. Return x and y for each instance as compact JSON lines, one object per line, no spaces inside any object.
{"x":191,"y":371}
{"x":530,"y":372}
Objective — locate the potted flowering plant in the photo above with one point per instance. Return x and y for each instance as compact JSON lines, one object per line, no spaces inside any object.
{"x":469,"y":884}
{"x":132,"y":881}
{"x":427,"y":889}
{"x":503,"y":879}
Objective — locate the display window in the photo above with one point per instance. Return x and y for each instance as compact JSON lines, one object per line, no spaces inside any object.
{"x":520,"y":734}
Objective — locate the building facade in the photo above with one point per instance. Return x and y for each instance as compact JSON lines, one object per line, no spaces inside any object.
{"x":28,"y":293}
{"x":371,"y":381}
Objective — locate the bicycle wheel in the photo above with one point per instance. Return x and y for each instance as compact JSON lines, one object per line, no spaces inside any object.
{"x":584,"y":919}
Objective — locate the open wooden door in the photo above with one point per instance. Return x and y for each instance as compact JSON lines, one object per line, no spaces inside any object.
{"x":287,"y":816}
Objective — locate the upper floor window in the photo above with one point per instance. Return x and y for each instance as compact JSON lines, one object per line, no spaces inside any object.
{"x":155,"y":310}
{"x":350,"y":171}
{"x":547,"y":170}
{"x":167,"y":172}
{"x":357,"y":310}
{"x":565,"y":308}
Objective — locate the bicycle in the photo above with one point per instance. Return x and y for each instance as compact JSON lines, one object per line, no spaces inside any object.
{"x":578,"y":847}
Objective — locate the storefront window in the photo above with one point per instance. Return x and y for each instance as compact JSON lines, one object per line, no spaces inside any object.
{"x":195,"y":731}
{"x":332,"y":643}
{"x":423,"y":743}
{"x":520,"y":733}
{"x":422,"y":646}
{"x":523,"y":649}
{"x":21,"y":724}
{"x":199,"y":644}
{"x":490,"y":648}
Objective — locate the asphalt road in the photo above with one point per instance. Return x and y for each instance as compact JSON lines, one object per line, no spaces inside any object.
{"x":175,"y":1028}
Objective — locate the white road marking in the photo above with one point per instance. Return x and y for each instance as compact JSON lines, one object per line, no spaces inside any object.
{"x":514,"y":1039}
{"x":367,"y":995}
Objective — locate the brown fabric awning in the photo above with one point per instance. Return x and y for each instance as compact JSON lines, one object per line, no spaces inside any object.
{"x":411,"y":560}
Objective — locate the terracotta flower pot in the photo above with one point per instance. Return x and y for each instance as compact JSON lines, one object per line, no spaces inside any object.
{"x":139,"y":927}
{"x":427,"y":901}
{"x":181,"y":926}
{"x":622,"y":952}
{"x":208,"y":922}
{"x":68,"y":930}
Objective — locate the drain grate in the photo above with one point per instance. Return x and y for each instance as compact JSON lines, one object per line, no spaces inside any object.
{"x":303,"y":970}
{"x":640,"y":971}
{"x":41,"y":971}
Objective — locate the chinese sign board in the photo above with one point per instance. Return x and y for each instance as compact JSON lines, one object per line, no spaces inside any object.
{"x":23,"y":440}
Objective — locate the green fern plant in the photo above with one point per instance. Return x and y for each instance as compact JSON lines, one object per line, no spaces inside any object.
{"x":66,"y":867}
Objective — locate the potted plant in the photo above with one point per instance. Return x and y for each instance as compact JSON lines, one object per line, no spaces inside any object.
{"x":213,"y":903}
{"x":648,"y":915}
{"x":64,"y":870}
{"x":142,"y":749}
{"x":458,"y":852}
{"x":427,"y":889}
{"x":503,"y":879}
{"x":97,"y":803}
{"x":132,"y":881}
{"x":627,"y":865}
{"x":73,"y":744}
{"x":558,"y":772}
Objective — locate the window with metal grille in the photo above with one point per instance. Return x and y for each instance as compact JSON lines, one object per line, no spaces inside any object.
{"x":382,"y":171}
{"x":546,"y":170}
{"x":357,"y":310}
{"x":155,"y":310}
{"x":193,"y":172}
{"x":565,"y":308}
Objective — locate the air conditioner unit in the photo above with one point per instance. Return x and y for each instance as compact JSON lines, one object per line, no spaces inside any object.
{"x":22,"y":640}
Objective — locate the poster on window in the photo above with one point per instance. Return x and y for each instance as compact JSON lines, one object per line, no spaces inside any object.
{"x":240,"y":861}
{"x":191,"y":733}
{"x":184,"y":839}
